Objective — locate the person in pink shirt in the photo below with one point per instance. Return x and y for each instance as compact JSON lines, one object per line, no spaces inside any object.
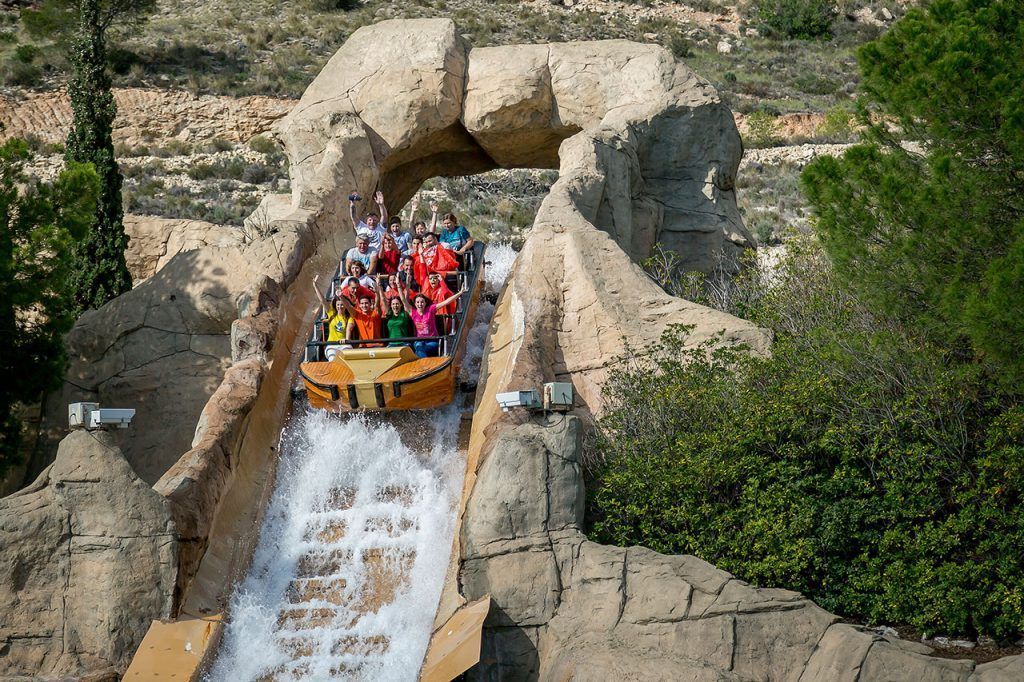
{"x":424,"y":318}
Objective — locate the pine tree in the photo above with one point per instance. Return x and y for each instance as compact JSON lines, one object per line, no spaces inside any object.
{"x":101,"y":273}
{"x":934,"y":232}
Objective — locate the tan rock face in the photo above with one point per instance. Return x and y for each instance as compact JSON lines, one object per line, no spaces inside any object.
{"x":87,"y":560}
{"x":154,"y":241}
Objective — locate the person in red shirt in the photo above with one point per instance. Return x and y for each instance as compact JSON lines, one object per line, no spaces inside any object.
{"x":353,"y":291}
{"x":366,"y":320}
{"x":388,"y":257}
{"x":437,"y":290}
{"x":433,"y":258}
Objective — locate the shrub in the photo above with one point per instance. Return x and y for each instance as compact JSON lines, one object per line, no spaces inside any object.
{"x":26,"y":53}
{"x":857,"y":463}
{"x":263,"y":145}
{"x":837,"y":126}
{"x":808,"y":19}
{"x":762,"y":130}
{"x":18,"y":73}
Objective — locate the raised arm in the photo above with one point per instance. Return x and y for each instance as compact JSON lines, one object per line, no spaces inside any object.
{"x":451,"y":298}
{"x":352,"y":209}
{"x":433,"y":215}
{"x":324,"y":301}
{"x":414,"y":206}
{"x":349,"y":308}
{"x":380,"y":296}
{"x":404,"y":295}
{"x":379,"y":198}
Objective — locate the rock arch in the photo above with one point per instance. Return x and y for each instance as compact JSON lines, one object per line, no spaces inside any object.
{"x":646,"y":149}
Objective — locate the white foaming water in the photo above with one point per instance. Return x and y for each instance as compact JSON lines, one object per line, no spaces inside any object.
{"x":353,"y":550}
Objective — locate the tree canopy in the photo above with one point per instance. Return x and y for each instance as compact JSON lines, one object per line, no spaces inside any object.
{"x":41,"y":224}
{"x":934,"y":230}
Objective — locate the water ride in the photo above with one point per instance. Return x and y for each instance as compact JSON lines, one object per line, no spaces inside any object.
{"x":385,"y":373}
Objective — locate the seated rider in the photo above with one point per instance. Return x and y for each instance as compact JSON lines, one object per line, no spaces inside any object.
{"x":433,"y":258}
{"x":454,"y":236}
{"x":354,"y":290}
{"x":437,"y":290}
{"x":392,"y":289}
{"x":361,"y":253}
{"x":388,"y":257}
{"x":401,"y":237}
{"x":405,"y":274}
{"x":397,"y":323}
{"x":370,"y":227}
{"x":337,"y":315}
{"x":356,"y":269}
{"x":424,"y":318}
{"x":366,"y":319}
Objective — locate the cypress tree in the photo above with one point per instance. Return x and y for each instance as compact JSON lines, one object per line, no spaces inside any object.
{"x":100,"y":273}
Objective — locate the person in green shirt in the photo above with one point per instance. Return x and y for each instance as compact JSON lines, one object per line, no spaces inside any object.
{"x":397,"y":323}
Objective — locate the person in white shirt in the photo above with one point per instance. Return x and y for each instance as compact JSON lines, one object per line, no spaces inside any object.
{"x":372,"y":226}
{"x":360,"y":253}
{"x":356,"y":269}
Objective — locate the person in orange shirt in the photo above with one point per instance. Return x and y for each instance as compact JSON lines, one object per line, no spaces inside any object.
{"x":366,"y":320}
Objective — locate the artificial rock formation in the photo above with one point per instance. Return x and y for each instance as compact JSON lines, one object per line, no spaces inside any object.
{"x":153,"y":241}
{"x":659,"y":148}
{"x":87,"y":560}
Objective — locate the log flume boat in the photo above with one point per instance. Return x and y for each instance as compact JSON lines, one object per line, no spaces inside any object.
{"x":393,"y":377}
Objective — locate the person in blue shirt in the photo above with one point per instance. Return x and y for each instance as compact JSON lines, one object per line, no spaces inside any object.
{"x":453,"y":236}
{"x":401,"y":237}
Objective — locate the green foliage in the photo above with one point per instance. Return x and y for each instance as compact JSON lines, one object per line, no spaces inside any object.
{"x":101,"y":273}
{"x":808,"y":19}
{"x":838,"y":125}
{"x":762,"y":130}
{"x":937,"y":236}
{"x":41,"y":223}
{"x":59,"y":19}
{"x":857,"y":463}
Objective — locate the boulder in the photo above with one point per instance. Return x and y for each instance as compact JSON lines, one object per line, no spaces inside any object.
{"x":653,"y":144}
{"x":153,"y":241}
{"x":87,"y":561}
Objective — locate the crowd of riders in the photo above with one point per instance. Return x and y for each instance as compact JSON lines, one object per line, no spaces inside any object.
{"x":393,"y":287}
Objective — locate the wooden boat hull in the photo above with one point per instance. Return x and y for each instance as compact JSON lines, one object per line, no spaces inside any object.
{"x":389,"y":378}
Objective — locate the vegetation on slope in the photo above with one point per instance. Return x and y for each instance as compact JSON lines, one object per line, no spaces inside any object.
{"x":875,"y":460}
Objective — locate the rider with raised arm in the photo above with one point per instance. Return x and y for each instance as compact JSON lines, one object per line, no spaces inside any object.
{"x":337,"y":315}
{"x":366,"y":318}
{"x":397,"y":322}
{"x":372,"y":226}
{"x":424,"y":318}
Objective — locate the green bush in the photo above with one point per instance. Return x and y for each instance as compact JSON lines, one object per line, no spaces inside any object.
{"x":876,"y":473}
{"x":14,"y":71}
{"x":808,"y":19}
{"x":762,"y":130}
{"x":26,"y":53}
